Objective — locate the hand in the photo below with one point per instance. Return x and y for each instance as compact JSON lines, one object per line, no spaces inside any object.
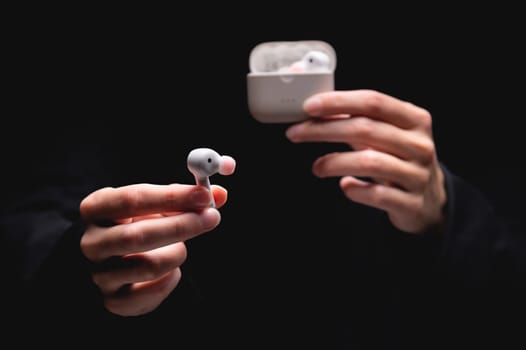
{"x":391,"y":143}
{"x":135,"y":238}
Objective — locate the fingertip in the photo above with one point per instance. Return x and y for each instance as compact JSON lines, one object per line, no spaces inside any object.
{"x":313,"y":105}
{"x":220,"y":195}
{"x":293,"y":131}
{"x":211,"y":218}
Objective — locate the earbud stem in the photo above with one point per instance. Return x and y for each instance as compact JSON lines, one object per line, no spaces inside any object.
{"x":205,"y":181}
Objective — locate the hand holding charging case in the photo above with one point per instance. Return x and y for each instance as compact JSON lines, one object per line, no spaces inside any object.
{"x":283,"y":74}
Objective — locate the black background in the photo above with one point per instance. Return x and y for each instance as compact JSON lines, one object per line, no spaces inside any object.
{"x":160,"y":82}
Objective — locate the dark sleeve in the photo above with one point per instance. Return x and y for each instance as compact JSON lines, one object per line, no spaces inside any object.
{"x":460,"y":253}
{"x":46,"y":178}
{"x":480,"y":246}
{"x":464,"y":284}
{"x":47,"y":172}
{"x":484,"y":244}
{"x":471,"y":226}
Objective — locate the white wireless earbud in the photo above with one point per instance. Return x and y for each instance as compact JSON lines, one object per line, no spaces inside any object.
{"x":205,"y":162}
{"x":316,"y":61}
{"x":312,"y":61}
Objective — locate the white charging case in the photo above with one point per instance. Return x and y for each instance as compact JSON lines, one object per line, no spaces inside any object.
{"x":275,"y":91}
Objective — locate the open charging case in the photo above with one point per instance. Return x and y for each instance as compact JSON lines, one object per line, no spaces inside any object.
{"x":283,"y":74}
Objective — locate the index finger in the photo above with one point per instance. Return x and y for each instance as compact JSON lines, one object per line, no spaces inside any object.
{"x":142,"y":199}
{"x":369,"y":103}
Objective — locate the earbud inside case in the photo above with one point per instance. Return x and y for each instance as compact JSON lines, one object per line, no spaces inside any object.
{"x":283,"y":74}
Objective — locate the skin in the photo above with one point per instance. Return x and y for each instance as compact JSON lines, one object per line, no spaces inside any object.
{"x":390,"y":142}
{"x":135,"y":238}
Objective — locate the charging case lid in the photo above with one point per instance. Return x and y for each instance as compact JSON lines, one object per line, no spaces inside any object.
{"x":270,"y":57}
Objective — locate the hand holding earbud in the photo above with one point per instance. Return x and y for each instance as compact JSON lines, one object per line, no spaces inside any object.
{"x":205,"y":162}
{"x":130,"y":276}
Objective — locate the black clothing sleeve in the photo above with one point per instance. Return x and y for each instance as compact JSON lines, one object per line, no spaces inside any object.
{"x":461,"y":287}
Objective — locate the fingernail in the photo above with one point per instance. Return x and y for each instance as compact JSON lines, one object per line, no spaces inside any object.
{"x":312,"y":106}
{"x":210,"y":217}
{"x":293,"y":131}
